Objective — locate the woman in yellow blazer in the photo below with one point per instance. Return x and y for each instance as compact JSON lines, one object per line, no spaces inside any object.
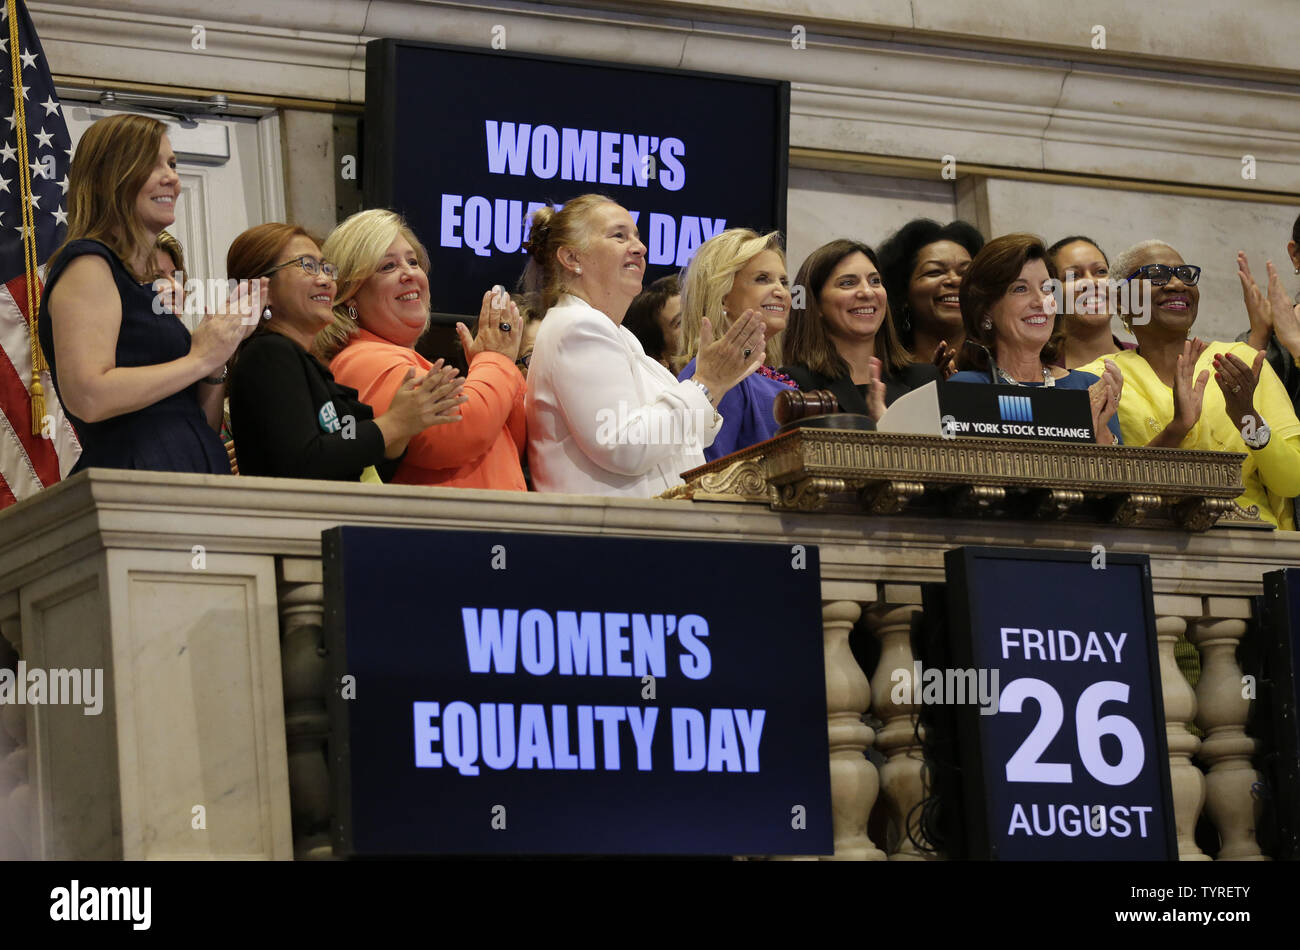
{"x":1167,"y":402}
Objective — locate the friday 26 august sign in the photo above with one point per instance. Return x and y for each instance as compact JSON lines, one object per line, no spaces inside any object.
{"x":500,"y":693}
{"x":1073,"y":764}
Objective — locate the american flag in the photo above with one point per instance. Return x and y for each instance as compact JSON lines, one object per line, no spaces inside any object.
{"x":36,"y":449}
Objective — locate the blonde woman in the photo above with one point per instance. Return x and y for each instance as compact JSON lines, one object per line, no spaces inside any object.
{"x":140,"y":390}
{"x":604,"y":418}
{"x":735,"y":273}
{"x":380,"y":310}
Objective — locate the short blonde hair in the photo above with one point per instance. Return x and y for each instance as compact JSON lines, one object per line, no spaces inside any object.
{"x":710,"y":277}
{"x":356,"y":247}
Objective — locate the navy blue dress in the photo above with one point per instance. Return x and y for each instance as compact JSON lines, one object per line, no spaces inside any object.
{"x":172,"y":435}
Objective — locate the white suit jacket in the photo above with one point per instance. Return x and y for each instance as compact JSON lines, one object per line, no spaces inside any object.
{"x":604,"y":418}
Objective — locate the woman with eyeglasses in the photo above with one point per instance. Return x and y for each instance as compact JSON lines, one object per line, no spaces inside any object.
{"x":381,"y":310}
{"x":1167,"y":400}
{"x":290,"y":418}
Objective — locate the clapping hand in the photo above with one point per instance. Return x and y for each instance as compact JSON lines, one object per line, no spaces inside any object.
{"x":1188,"y":394}
{"x":1285,"y":314}
{"x":1104,"y":396}
{"x":1258,"y":307}
{"x":499,"y":330}
{"x":945,"y":359}
{"x":218,"y":334}
{"x":876,"y":390}
{"x":1238,"y":382}
{"x":723,"y":363}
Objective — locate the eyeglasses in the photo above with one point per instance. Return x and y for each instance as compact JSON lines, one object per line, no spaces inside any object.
{"x":310,"y":265}
{"x":1159,"y":274}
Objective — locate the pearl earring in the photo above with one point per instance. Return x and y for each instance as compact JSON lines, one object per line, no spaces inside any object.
{"x":577,"y":270}
{"x":987,"y":325}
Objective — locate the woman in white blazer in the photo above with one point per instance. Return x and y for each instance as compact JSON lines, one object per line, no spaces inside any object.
{"x":604,"y":418}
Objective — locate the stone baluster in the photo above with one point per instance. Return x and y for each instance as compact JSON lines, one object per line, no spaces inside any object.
{"x":854,"y":782}
{"x":17,"y":808}
{"x":1226,"y":749}
{"x":1185,"y":779}
{"x":901,"y":781}
{"x":301,"y":596}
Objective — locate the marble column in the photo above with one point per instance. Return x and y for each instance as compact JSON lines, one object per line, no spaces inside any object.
{"x":1185,"y":779}
{"x":902,"y":785}
{"x":302,"y":607}
{"x":854,"y":781}
{"x":1223,"y":706}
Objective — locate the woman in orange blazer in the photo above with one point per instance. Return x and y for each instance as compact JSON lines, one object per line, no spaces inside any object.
{"x":381,"y":309}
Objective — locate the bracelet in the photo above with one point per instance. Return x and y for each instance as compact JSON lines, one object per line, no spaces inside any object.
{"x":705,"y":389}
{"x":217,"y":380}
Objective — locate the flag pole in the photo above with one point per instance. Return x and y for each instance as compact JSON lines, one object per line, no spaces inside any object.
{"x":32,"y":281}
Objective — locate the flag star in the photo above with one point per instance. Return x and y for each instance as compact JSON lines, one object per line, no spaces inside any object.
{"x":28,"y":58}
{"x":51,"y":107}
{"x":63,"y":184}
{"x":7,"y":153}
{"x":24,"y":89}
{"x":4,"y":43}
{"x":4,"y":183}
{"x":44,"y":138}
{"x":38,"y":170}
{"x":12,"y":119}
{"x":60,"y":216}
{"x":36,"y":201}
{"x":21,"y":229}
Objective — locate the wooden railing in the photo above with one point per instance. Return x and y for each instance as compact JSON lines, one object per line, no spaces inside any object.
{"x":201,"y":599}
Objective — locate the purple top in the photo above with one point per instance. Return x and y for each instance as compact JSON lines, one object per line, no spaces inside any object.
{"x":746,"y":411}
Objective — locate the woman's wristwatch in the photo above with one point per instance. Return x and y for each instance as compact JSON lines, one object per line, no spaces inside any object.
{"x":1259,"y":438}
{"x":217,"y":380}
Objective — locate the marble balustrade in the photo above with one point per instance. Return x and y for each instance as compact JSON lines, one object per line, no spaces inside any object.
{"x":201,"y":599}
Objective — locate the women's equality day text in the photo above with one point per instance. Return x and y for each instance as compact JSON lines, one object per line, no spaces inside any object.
{"x":531,"y":736}
{"x":607,"y":158}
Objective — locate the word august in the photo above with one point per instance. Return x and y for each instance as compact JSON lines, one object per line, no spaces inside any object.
{"x":592,"y":644}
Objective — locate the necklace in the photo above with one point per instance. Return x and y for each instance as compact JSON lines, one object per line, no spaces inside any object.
{"x":765,"y":370}
{"x":1049,"y":380}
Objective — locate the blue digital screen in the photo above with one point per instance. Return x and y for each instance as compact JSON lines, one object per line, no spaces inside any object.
{"x":466,"y":143}
{"x":1067,"y":711}
{"x":522,"y":693}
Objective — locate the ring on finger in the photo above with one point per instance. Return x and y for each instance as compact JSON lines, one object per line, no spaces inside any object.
{"x":505,"y":327}
{"x":748,"y":351}
{"x":1237,"y":388}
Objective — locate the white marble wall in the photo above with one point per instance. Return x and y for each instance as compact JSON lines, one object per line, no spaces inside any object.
{"x":824,"y":205}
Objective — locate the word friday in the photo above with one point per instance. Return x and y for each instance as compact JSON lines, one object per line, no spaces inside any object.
{"x":1060,"y":645}
{"x":714,"y":740}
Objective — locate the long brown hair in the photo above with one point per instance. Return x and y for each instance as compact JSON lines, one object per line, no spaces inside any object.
{"x":806,"y":342}
{"x":112,"y":162}
{"x":992,"y":271}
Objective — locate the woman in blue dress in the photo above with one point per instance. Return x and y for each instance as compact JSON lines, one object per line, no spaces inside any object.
{"x":732,"y":274}
{"x":140,"y":391}
{"x":1014,"y":333}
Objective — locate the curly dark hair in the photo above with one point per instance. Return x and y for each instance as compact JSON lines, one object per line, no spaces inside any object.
{"x":898,"y":260}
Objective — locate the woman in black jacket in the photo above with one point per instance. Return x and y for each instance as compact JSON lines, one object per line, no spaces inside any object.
{"x":288,"y":415}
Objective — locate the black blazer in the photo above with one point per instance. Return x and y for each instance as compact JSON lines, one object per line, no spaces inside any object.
{"x":913,"y":376}
{"x":290,"y":418}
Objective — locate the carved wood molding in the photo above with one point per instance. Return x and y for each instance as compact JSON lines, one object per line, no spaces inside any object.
{"x":887,"y":473}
